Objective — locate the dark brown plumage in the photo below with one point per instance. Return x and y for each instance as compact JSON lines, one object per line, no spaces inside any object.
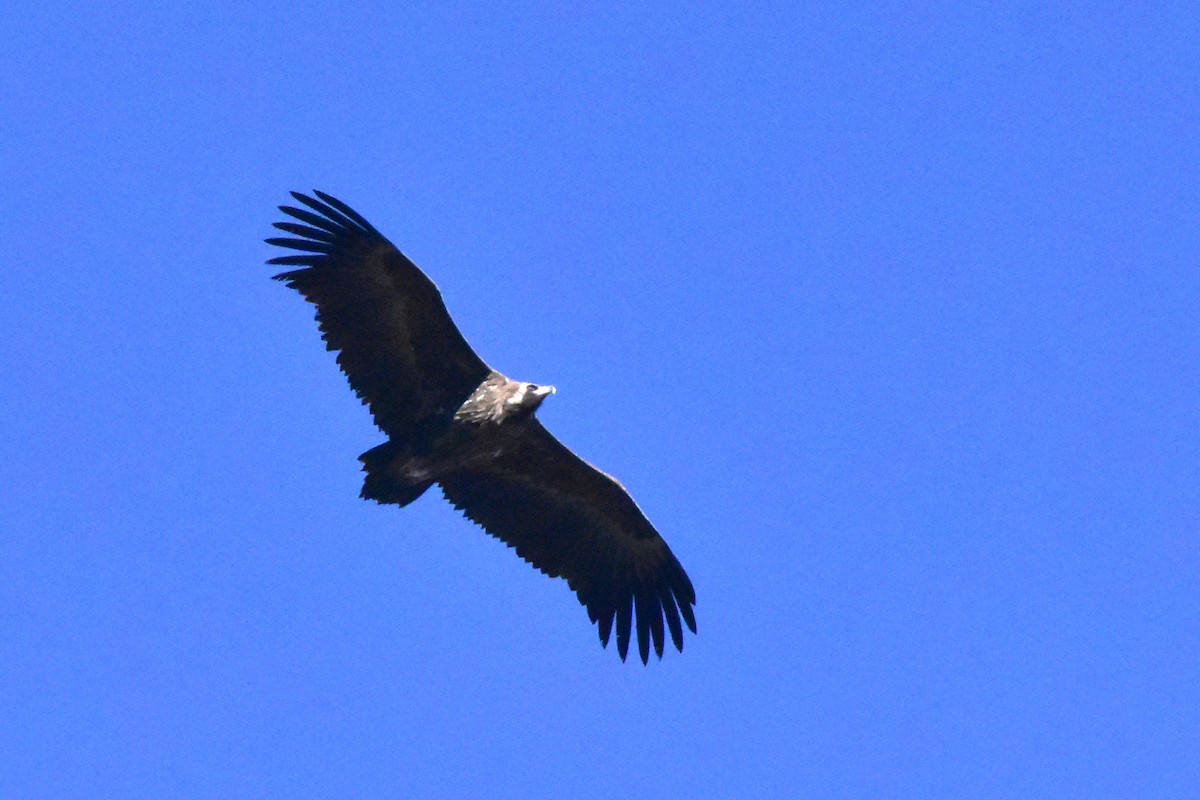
{"x":452,"y":420}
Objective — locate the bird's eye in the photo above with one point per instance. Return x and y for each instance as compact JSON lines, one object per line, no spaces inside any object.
{"x":533,"y":387}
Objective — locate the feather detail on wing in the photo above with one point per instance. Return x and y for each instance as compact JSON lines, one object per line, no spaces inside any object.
{"x":403,"y":355}
{"x":569,"y":519}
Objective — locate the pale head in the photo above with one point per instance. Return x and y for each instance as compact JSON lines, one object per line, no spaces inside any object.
{"x":528,"y":396}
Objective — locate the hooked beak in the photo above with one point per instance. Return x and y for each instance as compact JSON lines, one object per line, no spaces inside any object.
{"x":544,"y":391}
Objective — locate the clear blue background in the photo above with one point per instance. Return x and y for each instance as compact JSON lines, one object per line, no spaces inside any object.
{"x":888,"y":317}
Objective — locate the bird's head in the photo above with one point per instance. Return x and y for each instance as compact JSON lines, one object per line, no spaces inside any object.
{"x":529,"y":396}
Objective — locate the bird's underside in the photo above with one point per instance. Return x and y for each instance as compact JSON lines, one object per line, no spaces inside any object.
{"x":453,"y":421}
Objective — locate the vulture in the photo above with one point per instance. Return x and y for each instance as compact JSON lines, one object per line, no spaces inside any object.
{"x":452,"y":420}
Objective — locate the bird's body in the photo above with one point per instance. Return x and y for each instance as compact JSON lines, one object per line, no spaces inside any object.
{"x":454,"y":421}
{"x":495,"y":418}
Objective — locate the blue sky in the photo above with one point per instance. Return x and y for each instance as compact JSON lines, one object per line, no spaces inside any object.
{"x":887,"y":316}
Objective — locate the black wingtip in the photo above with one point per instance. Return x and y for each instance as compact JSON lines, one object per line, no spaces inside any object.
{"x":650,"y":614}
{"x":295,"y":261}
{"x":329,"y":228}
{"x":624,"y":620}
{"x":672,"y":614}
{"x":604,"y":625}
{"x":685,"y":609}
{"x":306,"y":245}
{"x":357,"y":218}
{"x":643,"y":623}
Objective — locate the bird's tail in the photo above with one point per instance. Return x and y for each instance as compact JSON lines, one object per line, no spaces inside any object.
{"x":388,"y":480}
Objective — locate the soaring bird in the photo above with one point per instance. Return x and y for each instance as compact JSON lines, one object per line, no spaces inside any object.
{"x":452,"y":420}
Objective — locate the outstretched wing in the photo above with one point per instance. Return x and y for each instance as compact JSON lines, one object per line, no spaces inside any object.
{"x":570,"y":520}
{"x":400,"y":350}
